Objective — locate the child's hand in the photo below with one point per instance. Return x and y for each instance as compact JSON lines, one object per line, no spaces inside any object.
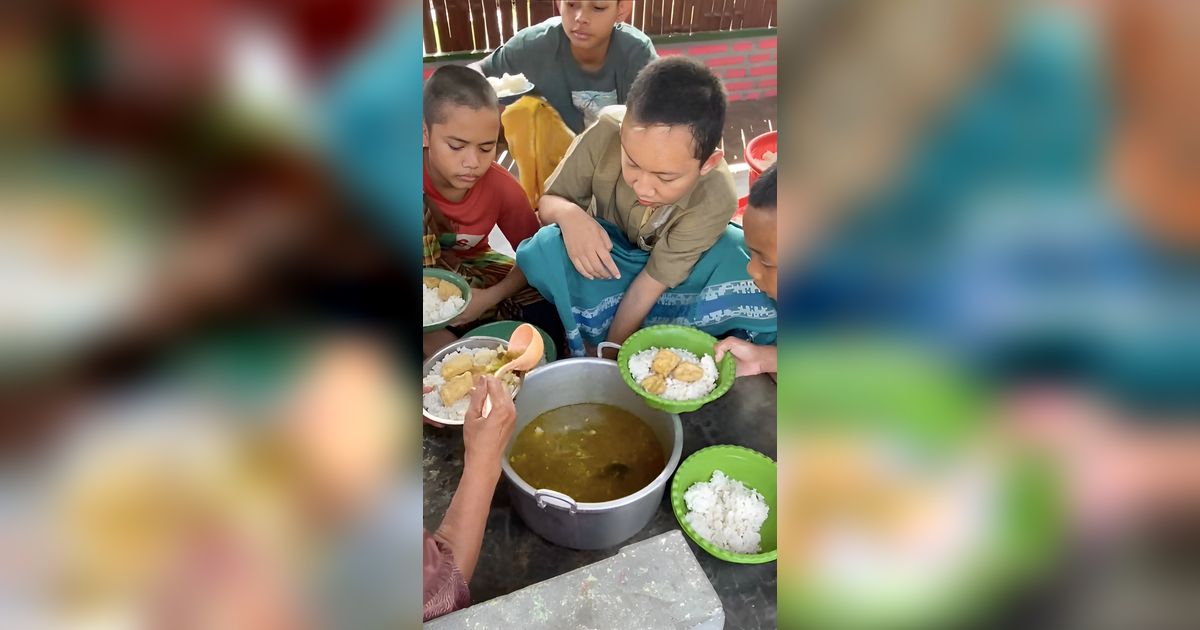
{"x":481,"y":301}
{"x":1085,"y":440}
{"x":750,"y":358}
{"x":589,"y":247}
{"x":486,"y":439}
{"x":219,"y":582}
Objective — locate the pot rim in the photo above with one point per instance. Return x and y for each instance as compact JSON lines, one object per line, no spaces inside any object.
{"x":603,"y":506}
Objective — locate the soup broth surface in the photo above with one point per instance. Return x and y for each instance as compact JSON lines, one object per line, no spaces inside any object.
{"x":591,"y":452}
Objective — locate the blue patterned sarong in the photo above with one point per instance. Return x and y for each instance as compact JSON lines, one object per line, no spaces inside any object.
{"x":718,"y":297}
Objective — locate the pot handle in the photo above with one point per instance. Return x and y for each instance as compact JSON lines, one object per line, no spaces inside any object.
{"x":555,"y":499}
{"x":605,"y":345}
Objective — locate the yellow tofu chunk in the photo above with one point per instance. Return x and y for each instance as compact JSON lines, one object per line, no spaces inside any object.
{"x":664,"y":362}
{"x":447,"y":290}
{"x":687,"y":372}
{"x":655,"y":384}
{"x":458,"y":364}
{"x":456,"y":388}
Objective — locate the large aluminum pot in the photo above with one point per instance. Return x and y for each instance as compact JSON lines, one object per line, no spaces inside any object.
{"x":556,"y":516}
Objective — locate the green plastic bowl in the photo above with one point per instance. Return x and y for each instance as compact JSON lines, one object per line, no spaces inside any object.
{"x":750,"y":467}
{"x":456,"y":280}
{"x":690,"y":339}
{"x":504,"y":330}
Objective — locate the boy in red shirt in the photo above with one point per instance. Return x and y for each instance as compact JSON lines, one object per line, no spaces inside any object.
{"x":467,"y":195}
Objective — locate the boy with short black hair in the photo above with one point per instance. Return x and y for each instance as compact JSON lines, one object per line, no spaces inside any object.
{"x":467,"y":195}
{"x":762,"y":238}
{"x":658,"y":198}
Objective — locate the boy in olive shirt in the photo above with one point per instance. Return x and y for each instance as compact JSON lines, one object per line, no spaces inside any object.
{"x":638,"y":219}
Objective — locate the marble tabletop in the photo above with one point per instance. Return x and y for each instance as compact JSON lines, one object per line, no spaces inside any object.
{"x":513,"y":557}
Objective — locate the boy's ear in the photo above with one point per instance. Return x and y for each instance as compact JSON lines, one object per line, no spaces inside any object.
{"x":711,"y":162}
{"x":424,"y":136}
{"x":624,"y":10}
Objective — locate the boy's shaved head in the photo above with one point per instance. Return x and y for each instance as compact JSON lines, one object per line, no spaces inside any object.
{"x":680,"y":91}
{"x":456,"y":85}
{"x":763,"y":192}
{"x":761,"y":231}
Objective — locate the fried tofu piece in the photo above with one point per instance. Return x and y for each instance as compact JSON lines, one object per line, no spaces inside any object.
{"x":432,"y":282}
{"x":447,"y":290}
{"x":687,"y":372}
{"x":664,"y":362}
{"x":655,"y":384}
{"x":458,"y":364}
{"x":456,"y":388}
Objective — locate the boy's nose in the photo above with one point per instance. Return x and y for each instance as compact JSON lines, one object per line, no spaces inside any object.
{"x":753,"y":271}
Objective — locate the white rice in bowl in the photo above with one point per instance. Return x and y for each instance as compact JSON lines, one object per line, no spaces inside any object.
{"x":431,"y":398}
{"x":640,"y":369}
{"x":435,"y":310}
{"x":726,"y":513}
{"x":508,"y":84}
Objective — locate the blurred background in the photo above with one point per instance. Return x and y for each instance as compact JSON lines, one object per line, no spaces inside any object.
{"x":991,"y":363}
{"x":200,"y":336}
{"x":989,"y":379}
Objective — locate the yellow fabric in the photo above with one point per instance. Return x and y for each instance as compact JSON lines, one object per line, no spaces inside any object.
{"x":537,"y":139}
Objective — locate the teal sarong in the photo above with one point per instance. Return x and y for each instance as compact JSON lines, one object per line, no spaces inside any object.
{"x":718,"y":297}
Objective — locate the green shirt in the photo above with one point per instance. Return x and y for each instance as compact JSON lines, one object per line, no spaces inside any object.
{"x":542,"y":53}
{"x":676,"y":235}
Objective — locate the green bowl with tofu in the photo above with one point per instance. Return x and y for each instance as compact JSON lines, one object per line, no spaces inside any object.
{"x":673,"y":337}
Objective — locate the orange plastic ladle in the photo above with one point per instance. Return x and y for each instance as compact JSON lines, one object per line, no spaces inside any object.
{"x":526,"y":340}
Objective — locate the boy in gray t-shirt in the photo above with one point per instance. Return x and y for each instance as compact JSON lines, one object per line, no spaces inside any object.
{"x":580,"y":62}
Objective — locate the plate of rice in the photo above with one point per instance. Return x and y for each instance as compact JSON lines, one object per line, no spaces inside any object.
{"x":510,"y":87}
{"x":449,"y":376}
{"x":673,"y":368}
{"x":444,"y":294}
{"x":724,"y":498}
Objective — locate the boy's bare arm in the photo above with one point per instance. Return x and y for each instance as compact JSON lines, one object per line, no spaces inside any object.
{"x":636,"y":304}
{"x":1167,"y":465}
{"x":587,"y":243}
{"x":552,"y":209}
{"x":483,"y":300}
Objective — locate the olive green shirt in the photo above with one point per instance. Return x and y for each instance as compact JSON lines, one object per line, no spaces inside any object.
{"x":676,"y":235}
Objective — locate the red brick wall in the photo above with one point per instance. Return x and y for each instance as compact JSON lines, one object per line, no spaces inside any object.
{"x":747,"y":65}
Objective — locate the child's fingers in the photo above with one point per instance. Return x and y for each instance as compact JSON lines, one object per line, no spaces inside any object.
{"x":611,"y":265}
{"x":597,"y":266}
{"x":732,"y":345}
{"x":589,"y":270}
{"x":579,"y":266}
